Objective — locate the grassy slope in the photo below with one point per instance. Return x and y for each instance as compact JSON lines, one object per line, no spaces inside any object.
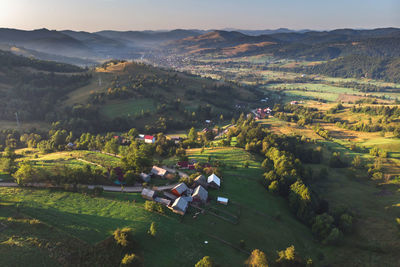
{"x":179,"y":242}
{"x":135,"y":105}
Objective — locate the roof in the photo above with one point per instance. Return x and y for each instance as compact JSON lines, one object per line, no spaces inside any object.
{"x":183,"y":164}
{"x":180,"y":188}
{"x":201,"y":193}
{"x":148,"y":137}
{"x":180,"y":204}
{"x":158,"y":171}
{"x":148,"y":192}
{"x":214,"y":179}
{"x":164,"y":201}
{"x":200,"y":179}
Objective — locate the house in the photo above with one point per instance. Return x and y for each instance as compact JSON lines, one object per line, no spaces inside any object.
{"x":222,"y":200}
{"x":208,"y":121}
{"x":214,"y":181}
{"x":149,"y":139}
{"x":145,"y":177}
{"x":164,"y":201}
{"x":201,"y":180}
{"x":180,"y":205}
{"x":183,"y":164}
{"x":294,"y":102}
{"x":179,"y":190}
{"x":200,"y":194}
{"x":148,"y":194}
{"x":157,"y":171}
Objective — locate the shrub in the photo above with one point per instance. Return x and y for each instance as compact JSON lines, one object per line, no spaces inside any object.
{"x":153,"y":207}
{"x":123,"y":236}
{"x":205,"y":262}
{"x":257,"y":259}
{"x":129,"y":260}
{"x":153,"y":230}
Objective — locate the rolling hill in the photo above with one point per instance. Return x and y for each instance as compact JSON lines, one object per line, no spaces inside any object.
{"x":116,"y":95}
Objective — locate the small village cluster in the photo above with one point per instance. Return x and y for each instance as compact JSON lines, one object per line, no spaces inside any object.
{"x":181,"y":196}
{"x":262,"y":113}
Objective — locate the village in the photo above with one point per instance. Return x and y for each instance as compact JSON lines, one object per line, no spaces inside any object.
{"x":181,"y":196}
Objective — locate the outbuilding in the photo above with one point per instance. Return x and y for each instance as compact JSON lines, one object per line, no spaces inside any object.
{"x":222,"y":200}
{"x":164,"y":201}
{"x":145,"y":177}
{"x":148,"y":194}
{"x":157,"y":171}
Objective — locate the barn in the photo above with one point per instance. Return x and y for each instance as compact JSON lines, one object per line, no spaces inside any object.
{"x":200,"y":194}
{"x":179,"y":190}
{"x":180,"y":205}
{"x":214,"y":181}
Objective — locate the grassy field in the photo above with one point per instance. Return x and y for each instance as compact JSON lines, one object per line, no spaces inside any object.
{"x":132,"y":107}
{"x":265,"y":220}
{"x":75,"y":158}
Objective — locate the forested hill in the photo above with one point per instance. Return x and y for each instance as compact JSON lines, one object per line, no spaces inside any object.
{"x":310,"y":45}
{"x":32,"y":88}
{"x":356,"y":66}
{"x":117,"y":95}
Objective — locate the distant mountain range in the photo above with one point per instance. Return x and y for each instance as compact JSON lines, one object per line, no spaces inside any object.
{"x":86,"y":48}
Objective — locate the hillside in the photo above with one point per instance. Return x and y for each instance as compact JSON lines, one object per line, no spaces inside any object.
{"x":139,"y":94}
{"x":116,"y":95}
{"x":32,"y":88}
{"x":310,"y":45}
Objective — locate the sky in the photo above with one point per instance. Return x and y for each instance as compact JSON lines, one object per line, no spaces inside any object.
{"x":95,"y":15}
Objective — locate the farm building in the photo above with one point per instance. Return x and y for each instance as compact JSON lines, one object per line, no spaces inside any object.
{"x":214,"y":181}
{"x":179,"y":190}
{"x":157,"y":171}
{"x":222,"y":200}
{"x":149,"y":139}
{"x":145,"y":177}
{"x":179,"y":206}
{"x":200,"y":194}
{"x":148,"y":194}
{"x":164,"y":201}
{"x":201,"y":180}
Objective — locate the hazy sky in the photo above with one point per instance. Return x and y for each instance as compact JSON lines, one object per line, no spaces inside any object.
{"x":93,"y":15}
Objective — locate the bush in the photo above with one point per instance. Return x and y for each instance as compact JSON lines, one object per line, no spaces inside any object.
{"x":205,"y":262}
{"x":153,"y":230}
{"x":257,"y":259}
{"x":129,"y":260}
{"x":153,"y":207}
{"x":123,"y":236}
